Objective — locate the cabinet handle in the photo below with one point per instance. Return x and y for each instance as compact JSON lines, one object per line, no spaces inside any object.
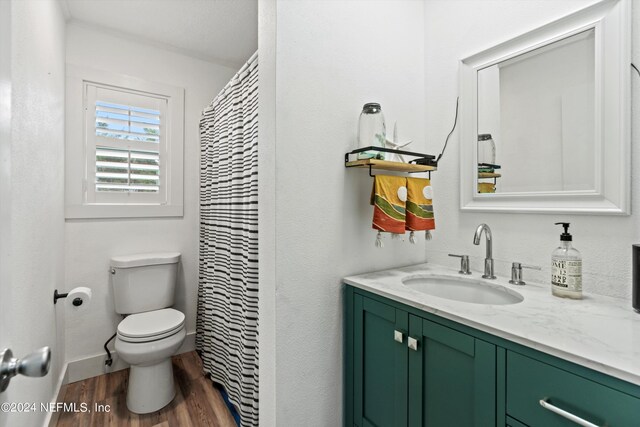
{"x":412,"y":343}
{"x":398,"y":336}
{"x":568,"y":415}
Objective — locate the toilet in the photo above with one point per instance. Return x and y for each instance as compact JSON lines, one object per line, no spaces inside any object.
{"x":151,"y":332}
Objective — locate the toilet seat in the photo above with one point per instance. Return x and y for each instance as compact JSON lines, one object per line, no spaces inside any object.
{"x":151,"y":325}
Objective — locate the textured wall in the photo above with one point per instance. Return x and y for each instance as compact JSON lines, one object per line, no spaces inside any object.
{"x":454,"y":30}
{"x":331,"y":58}
{"x":91,"y":243}
{"x":32,"y":194}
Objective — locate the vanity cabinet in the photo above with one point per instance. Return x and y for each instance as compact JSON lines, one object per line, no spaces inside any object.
{"x":380,"y":364}
{"x":451,"y":377}
{"x":409,"y":371}
{"x":529,"y":381}
{"x":405,"y":367}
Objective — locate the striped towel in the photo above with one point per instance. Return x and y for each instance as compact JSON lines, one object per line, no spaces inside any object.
{"x":419,"y":207}
{"x":388,"y":198}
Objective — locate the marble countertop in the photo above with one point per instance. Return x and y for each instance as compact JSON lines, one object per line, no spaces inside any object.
{"x":601,"y":333}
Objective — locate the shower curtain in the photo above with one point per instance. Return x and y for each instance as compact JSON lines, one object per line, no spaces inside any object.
{"x":227,"y":322}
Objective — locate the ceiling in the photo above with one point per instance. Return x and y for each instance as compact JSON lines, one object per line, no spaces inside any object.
{"x":222,"y":31}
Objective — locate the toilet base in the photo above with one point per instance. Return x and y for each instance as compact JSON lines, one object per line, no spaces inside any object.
{"x":151,"y":387}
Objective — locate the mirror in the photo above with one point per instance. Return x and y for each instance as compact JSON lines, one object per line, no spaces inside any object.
{"x":536,"y":119}
{"x":545,"y":118}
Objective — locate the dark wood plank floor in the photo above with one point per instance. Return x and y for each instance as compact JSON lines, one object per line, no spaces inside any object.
{"x":197,"y":403}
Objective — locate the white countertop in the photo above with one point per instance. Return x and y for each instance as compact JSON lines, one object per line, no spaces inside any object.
{"x":601,"y":333}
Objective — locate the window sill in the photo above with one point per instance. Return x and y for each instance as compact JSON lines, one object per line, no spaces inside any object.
{"x":97,"y":211}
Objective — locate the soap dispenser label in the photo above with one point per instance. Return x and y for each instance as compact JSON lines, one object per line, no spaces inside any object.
{"x":567,"y":274}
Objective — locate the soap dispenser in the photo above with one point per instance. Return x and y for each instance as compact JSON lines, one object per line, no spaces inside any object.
{"x":566,"y":267}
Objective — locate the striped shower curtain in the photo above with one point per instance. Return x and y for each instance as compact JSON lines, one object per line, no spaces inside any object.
{"x":227,"y":325}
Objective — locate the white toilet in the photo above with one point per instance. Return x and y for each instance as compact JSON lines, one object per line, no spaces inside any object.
{"x":143,"y":288}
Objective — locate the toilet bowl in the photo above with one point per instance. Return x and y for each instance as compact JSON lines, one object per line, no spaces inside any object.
{"x":147,"y":341}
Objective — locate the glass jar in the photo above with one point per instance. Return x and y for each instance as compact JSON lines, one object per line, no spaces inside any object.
{"x":371,"y":131}
{"x":486,"y":149}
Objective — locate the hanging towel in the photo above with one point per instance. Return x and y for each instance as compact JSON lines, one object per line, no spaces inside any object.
{"x":419,"y":207}
{"x":389,"y":198}
{"x":486,"y":187}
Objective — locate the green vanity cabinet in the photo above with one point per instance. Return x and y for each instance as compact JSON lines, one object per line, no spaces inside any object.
{"x":446,"y":378}
{"x":380,"y":377}
{"x":405,"y":367}
{"x":451,"y":377}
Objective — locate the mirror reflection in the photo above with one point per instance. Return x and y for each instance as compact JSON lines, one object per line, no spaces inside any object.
{"x":536,"y":120}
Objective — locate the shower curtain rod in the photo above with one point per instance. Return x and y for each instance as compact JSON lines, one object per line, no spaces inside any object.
{"x":235,"y":76}
{"x":246,"y":64}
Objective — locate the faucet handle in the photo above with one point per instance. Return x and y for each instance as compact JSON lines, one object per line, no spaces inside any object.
{"x":532,"y":267}
{"x":464,"y":263}
{"x":516,"y":272}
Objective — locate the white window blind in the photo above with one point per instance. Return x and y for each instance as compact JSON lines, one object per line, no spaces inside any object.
{"x":125,"y":134}
{"x":119,"y":170}
{"x":127,"y":170}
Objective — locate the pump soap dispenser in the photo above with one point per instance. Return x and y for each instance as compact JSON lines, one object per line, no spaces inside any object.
{"x":566,"y":267}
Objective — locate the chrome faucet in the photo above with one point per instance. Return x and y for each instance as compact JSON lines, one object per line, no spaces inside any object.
{"x":488,"y":260}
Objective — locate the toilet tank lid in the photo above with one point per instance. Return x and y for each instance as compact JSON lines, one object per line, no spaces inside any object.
{"x":139,"y":260}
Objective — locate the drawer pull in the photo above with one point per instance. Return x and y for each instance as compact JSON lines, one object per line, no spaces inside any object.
{"x":568,"y":415}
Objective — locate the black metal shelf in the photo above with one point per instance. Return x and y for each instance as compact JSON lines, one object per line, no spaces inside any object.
{"x":421,"y":163}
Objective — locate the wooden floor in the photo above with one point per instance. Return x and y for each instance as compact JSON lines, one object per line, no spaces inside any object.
{"x":197,"y":403}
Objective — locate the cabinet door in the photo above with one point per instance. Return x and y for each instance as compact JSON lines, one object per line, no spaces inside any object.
{"x":452,"y":378}
{"x":380,"y":364}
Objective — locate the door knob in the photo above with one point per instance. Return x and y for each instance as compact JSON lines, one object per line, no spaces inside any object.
{"x":35,"y":364}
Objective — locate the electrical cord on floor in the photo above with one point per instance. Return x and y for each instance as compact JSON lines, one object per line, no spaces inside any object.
{"x":455,"y":123}
{"x":635,"y":68}
{"x":109,"y":360}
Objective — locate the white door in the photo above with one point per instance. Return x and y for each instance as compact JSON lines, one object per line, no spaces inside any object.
{"x":31,"y":198}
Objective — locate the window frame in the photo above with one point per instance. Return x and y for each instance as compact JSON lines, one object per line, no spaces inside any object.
{"x":80,"y":149}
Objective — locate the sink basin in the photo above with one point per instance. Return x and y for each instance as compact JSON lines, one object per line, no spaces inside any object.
{"x":463,"y":289}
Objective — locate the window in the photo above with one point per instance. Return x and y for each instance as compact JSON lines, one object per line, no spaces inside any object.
{"x":126,"y":146}
{"x":124,"y":156}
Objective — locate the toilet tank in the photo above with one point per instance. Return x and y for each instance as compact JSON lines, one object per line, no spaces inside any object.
{"x":144,"y":282}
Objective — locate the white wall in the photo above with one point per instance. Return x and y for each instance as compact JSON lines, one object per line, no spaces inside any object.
{"x":454,"y":30}
{"x":32,"y":194}
{"x":266,"y":210}
{"x":91,"y":243}
{"x":330,"y":59}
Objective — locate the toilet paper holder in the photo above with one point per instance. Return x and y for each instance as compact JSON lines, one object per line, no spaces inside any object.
{"x":76,"y":301}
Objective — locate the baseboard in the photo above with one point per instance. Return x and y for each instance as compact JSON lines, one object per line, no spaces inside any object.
{"x":51,"y":419}
{"x":93,"y":366}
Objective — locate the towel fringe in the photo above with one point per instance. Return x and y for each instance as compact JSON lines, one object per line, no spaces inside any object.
{"x":394,"y":236}
{"x":412,"y":237}
{"x":427,"y":235}
{"x":379,"y":240}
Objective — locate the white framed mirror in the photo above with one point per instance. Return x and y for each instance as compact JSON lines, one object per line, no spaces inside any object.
{"x":545,"y":118}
